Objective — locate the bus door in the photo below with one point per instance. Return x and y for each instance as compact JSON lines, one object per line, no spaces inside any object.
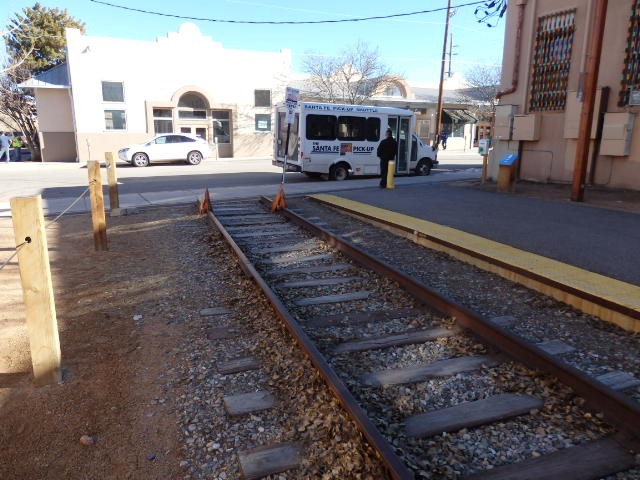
{"x":400,"y":126}
{"x":282,"y":137}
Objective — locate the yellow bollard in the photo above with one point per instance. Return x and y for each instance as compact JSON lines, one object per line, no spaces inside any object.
{"x":390,"y":173}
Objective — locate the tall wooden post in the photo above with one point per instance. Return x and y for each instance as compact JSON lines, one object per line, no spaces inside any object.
{"x":594,"y":50}
{"x":112,"y":175}
{"x":441,"y":86}
{"x":97,"y":206}
{"x":35,"y":275}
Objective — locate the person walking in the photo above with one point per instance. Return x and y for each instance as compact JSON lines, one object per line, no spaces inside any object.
{"x":444,"y":138}
{"x":386,"y":151}
{"x":5,"y":142}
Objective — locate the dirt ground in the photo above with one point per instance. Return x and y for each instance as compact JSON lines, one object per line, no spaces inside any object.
{"x":114,"y":373}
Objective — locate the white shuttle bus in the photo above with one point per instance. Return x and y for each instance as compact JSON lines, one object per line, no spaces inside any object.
{"x":340,"y":141}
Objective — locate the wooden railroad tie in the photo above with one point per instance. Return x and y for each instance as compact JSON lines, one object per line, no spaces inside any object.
{"x":471,"y":414}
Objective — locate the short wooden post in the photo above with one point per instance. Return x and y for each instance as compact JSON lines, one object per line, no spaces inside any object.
{"x":97,"y":206}
{"x":484,"y":169}
{"x":112,"y":175}
{"x":35,"y":274}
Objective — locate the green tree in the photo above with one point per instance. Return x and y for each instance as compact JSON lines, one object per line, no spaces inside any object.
{"x":35,"y":41}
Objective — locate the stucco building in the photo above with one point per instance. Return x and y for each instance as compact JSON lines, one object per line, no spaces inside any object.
{"x":111,"y":92}
{"x":545,"y":55}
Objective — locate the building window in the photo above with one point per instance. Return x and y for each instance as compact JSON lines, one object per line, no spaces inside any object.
{"x":221,"y":127}
{"x":263,"y":122}
{"x":115,"y":120}
{"x":112,"y":92}
{"x":631,"y":69}
{"x":262,"y":98}
{"x":551,"y":62}
{"x":162,"y":120}
{"x":192,"y":106}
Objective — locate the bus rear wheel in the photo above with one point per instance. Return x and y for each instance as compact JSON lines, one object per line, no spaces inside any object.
{"x":339,"y":172}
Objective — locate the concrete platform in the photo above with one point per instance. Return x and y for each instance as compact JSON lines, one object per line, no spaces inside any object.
{"x":609,"y":298}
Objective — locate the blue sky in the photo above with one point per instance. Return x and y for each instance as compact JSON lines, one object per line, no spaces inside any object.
{"x":410,"y":46}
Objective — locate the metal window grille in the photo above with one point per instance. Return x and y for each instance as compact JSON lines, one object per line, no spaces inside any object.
{"x":631,"y":69}
{"x":552,"y":61}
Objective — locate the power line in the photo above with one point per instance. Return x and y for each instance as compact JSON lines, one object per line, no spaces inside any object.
{"x":288,"y":22}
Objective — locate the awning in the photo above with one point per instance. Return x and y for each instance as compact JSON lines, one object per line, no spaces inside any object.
{"x":458,"y":115}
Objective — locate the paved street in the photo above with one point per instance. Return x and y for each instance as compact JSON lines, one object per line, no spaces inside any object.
{"x":60,"y":184}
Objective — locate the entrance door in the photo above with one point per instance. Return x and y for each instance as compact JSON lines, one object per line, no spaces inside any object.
{"x":400,"y":128}
{"x":201,"y":131}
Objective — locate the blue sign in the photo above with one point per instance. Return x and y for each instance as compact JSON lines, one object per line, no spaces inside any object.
{"x":509,"y":159}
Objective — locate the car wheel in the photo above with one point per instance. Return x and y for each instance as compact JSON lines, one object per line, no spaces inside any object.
{"x":194,"y":158}
{"x":140,"y":160}
{"x":423,"y":167}
{"x":339,"y":172}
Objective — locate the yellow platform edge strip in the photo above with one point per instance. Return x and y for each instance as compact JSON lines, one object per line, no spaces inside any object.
{"x":615,"y":291}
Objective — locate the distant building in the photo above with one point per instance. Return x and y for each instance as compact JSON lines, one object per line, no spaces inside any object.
{"x":112,"y":92}
{"x":538,"y":116}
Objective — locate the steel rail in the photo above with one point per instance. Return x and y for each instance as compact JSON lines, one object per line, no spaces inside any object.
{"x":603,"y":302}
{"x":623,"y":412}
{"x":395,"y":466}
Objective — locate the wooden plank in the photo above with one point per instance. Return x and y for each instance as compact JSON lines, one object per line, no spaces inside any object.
{"x":618,"y":380}
{"x":253,"y":222}
{"x":98,"y":219}
{"x":248,"y":402}
{"x":205,"y":312}
{"x":294,"y":259}
{"x":353,"y":318}
{"x":37,"y":289}
{"x":222,"y":215}
{"x":254,"y":228}
{"x":268,"y":460}
{"x":291,"y":247}
{"x":588,"y":461}
{"x":441,"y":368}
{"x":272,"y":233}
{"x":220,"y":333}
{"x":319,"y":282}
{"x":338,"y":298}
{"x":303,"y":270}
{"x":555,"y":347}
{"x":238,"y":365}
{"x":394,"y":340}
{"x":471,"y":414}
{"x":504,"y":321}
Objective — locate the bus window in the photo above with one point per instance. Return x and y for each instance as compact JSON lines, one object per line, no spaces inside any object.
{"x":321,"y":127}
{"x":373,"y":129}
{"x":352,"y":128}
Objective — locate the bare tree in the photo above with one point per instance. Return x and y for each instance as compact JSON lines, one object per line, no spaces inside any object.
{"x":491,"y":12}
{"x":353,"y":77}
{"x":482,"y":84}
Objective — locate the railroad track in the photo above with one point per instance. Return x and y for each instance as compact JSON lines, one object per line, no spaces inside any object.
{"x":437,"y":390}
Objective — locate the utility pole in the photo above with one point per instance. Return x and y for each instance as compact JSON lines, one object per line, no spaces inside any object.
{"x":451,"y":45}
{"x":594,"y":50}
{"x":440,"y":89}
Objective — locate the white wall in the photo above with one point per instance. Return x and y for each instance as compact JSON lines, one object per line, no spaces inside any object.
{"x":156,"y":70}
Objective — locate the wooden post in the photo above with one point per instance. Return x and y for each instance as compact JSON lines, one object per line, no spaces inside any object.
{"x":114,"y":200}
{"x":484,"y":169}
{"x":97,"y":206}
{"x":594,"y":51}
{"x":35,"y":274}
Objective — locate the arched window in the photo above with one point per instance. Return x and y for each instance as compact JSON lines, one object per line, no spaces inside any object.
{"x":192,"y":106}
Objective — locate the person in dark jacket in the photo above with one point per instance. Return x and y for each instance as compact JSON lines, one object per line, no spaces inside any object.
{"x":386,"y":151}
